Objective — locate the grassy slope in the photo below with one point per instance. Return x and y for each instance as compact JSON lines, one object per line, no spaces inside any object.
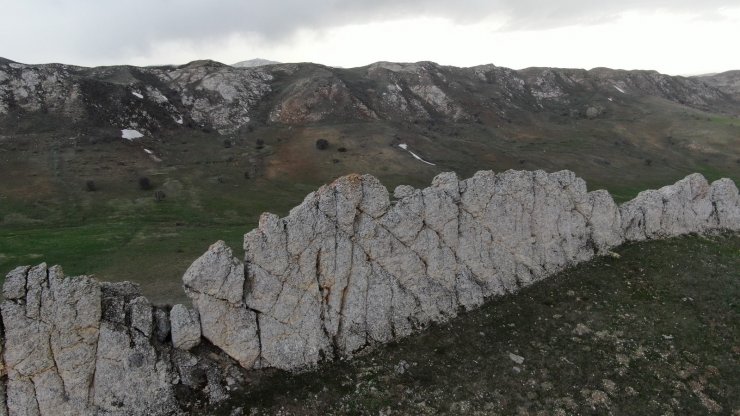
{"x":119,"y":232}
{"x":652,"y":332}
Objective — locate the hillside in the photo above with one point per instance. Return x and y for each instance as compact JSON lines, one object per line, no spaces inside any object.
{"x":223,"y":144}
{"x":729,"y":82}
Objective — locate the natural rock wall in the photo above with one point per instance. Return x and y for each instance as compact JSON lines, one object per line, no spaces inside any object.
{"x":346,"y":269}
{"x":74,"y":346}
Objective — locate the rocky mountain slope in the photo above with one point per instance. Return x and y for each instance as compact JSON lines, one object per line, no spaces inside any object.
{"x":728,"y":82}
{"x":346,"y":269}
{"x":207,"y":94}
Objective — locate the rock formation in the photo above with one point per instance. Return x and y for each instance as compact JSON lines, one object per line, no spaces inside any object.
{"x":346,"y":269}
{"x":211,"y":95}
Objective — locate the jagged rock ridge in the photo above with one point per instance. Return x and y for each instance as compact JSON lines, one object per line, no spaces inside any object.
{"x":345,"y":269}
{"x":208,"y":94}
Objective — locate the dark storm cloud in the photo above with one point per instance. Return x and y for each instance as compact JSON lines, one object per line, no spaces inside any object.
{"x":93,"y":30}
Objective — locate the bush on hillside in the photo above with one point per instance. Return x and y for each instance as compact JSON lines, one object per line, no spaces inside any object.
{"x":322,"y":144}
{"x":144,"y":183}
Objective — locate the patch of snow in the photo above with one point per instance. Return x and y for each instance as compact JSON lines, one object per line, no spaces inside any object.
{"x":149,"y":152}
{"x":619,"y":89}
{"x":610,"y":99}
{"x":405,"y":147}
{"x":178,"y":120}
{"x":130,"y":134}
{"x":137,"y":94}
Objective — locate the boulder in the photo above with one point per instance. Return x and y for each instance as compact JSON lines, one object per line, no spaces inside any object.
{"x":185,"y":327}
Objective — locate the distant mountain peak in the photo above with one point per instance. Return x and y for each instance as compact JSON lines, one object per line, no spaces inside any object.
{"x":254,"y":62}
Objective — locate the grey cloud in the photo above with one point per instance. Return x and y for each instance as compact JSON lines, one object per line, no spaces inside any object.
{"x":104,"y":29}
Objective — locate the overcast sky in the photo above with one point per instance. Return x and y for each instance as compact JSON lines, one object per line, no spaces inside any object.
{"x":672,"y":36}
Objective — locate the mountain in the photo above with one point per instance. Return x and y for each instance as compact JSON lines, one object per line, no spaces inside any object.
{"x":251,"y":63}
{"x":213,"y":95}
{"x":729,"y":82}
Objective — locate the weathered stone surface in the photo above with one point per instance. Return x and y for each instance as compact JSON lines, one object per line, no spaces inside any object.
{"x":215,"y":284}
{"x":690,"y":205}
{"x":141,"y":316}
{"x":51,"y":340}
{"x":185,"y":327}
{"x":347,"y":269}
{"x":64,"y":356}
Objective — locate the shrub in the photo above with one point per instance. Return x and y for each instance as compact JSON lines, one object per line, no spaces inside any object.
{"x":342,"y":149}
{"x":144,"y":183}
{"x":159,"y":195}
{"x":90,"y":185}
{"x":322,"y":144}
{"x":227,"y":143}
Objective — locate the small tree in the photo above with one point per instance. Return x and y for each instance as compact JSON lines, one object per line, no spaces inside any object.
{"x":322,"y":144}
{"x":144,"y":183}
{"x":90,"y":185}
{"x":159,"y":195}
{"x":227,"y":143}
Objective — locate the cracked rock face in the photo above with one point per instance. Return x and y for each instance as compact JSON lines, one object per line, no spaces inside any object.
{"x":346,"y":269}
{"x":349,"y":268}
{"x":691,"y":205}
{"x":215,"y":284}
{"x":185,"y":327}
{"x":74,"y":346}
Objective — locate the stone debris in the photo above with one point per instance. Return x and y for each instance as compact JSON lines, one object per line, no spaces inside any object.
{"x":345,"y":270}
{"x":516,"y":358}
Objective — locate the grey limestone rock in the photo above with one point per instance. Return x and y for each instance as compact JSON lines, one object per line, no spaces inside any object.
{"x":51,"y":337}
{"x":346,"y":269}
{"x":215,"y":284}
{"x":691,"y":205}
{"x":185,"y":327}
{"x":69,"y":350}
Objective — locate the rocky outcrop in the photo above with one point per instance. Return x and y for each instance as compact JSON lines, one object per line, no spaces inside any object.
{"x":210,"y":95}
{"x":348,"y":268}
{"x":215,"y":283}
{"x":74,"y":346}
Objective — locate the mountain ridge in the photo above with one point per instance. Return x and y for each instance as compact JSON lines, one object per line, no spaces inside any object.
{"x":218,"y":96}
